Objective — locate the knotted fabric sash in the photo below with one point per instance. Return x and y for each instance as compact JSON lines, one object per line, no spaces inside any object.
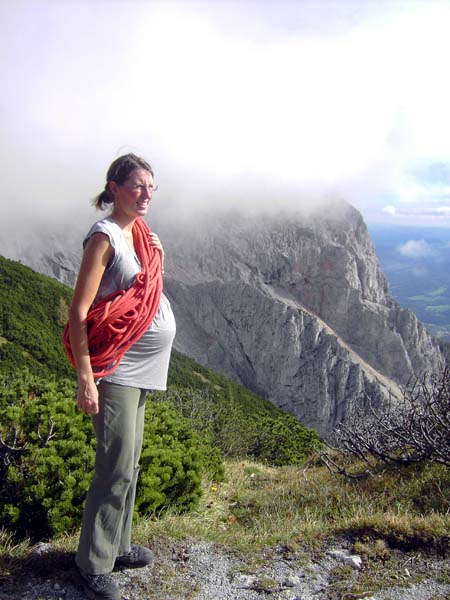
{"x":117,"y":321}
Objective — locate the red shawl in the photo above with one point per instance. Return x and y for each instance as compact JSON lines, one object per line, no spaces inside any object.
{"x":117,"y":321}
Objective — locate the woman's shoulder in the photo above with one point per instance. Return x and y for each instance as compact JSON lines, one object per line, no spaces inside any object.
{"x":106,"y":226}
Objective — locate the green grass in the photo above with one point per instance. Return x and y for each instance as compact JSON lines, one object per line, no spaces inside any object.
{"x":259,"y":506}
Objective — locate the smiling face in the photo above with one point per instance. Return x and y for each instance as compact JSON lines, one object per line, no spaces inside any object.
{"x":132,"y":198}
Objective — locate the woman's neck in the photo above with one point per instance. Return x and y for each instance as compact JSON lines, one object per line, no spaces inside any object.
{"x":124,"y":222}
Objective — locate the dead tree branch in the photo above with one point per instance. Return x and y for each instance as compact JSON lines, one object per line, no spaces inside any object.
{"x":414,"y":429}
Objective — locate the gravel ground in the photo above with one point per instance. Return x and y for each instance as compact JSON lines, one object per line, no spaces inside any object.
{"x":202,"y":571}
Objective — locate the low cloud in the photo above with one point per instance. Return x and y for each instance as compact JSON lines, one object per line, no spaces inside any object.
{"x":251,"y":104}
{"x":390,"y":210}
{"x":424,"y":214}
{"x":415,"y":249}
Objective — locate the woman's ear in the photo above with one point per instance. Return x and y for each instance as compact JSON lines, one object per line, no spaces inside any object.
{"x":113,"y":187}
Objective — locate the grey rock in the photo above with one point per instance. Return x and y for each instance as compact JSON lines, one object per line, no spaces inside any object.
{"x":296,"y":308}
{"x":348,"y":559}
{"x":292,"y":581}
{"x":41,"y":549}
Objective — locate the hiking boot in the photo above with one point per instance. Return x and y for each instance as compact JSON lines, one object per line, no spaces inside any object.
{"x":98,"y":587}
{"x":137,"y":557}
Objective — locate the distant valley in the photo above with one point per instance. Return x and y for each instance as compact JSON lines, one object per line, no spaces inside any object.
{"x":416,"y":262}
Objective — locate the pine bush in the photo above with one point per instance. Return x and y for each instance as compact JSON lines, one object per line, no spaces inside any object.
{"x":46,"y":456}
{"x":47,"y":451}
{"x":271,"y":436}
{"x":172,"y":461}
{"x":283,"y":440}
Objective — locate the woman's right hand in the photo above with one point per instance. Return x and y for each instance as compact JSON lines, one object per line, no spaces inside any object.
{"x":87,"y":397}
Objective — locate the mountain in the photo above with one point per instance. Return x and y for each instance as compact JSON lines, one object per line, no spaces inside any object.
{"x":294,"y":306}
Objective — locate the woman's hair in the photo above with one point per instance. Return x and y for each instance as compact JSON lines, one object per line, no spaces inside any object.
{"x":119,"y":171}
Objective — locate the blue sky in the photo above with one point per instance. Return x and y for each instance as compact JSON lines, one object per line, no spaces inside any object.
{"x":239,"y":103}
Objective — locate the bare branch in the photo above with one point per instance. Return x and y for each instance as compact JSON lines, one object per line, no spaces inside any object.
{"x":6,"y":449}
{"x":413,"y":429}
{"x":50,"y":434}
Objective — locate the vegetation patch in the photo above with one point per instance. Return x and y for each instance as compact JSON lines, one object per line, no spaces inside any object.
{"x":47,"y":450}
{"x":258,"y":506}
{"x":438,"y":293}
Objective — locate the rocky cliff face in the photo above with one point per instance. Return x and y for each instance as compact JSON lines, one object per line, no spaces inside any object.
{"x":294,"y":307}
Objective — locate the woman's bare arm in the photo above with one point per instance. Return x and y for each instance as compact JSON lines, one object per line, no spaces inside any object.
{"x":97,"y":254}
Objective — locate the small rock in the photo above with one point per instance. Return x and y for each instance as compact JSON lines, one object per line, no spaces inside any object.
{"x":246,"y":580}
{"x":41,"y":549}
{"x":292,"y":581}
{"x":349,"y":559}
{"x":354,"y":561}
{"x":340,"y":555}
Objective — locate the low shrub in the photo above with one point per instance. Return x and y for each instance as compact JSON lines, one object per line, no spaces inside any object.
{"x":47,"y":451}
{"x":270,"y":436}
{"x":46,"y":456}
{"x":173,"y":459}
{"x":283,"y":440}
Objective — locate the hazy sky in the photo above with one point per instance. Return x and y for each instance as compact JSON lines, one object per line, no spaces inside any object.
{"x":264,"y":102}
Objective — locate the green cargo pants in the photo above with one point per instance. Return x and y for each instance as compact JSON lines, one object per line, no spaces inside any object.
{"x":108,"y":513}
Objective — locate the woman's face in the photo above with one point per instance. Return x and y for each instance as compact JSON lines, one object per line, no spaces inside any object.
{"x":132,"y":198}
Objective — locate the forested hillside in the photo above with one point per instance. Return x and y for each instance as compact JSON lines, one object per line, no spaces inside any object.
{"x":33,"y":310}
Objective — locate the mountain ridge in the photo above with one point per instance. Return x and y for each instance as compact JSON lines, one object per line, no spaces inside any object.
{"x":227,"y":282}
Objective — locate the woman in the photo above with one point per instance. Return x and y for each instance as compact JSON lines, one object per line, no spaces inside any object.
{"x":119,"y":338}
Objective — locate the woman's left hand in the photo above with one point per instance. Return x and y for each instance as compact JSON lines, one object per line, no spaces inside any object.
{"x":156,"y":243}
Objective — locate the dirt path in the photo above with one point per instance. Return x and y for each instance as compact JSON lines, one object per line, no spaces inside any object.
{"x":202,"y":571}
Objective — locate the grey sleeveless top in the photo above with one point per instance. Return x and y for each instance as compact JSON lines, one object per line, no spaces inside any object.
{"x":146,"y":363}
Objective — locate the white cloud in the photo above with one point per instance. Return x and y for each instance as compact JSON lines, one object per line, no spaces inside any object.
{"x":390,"y":210}
{"x":443,"y":210}
{"x":415,"y":249}
{"x":228,"y":100}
